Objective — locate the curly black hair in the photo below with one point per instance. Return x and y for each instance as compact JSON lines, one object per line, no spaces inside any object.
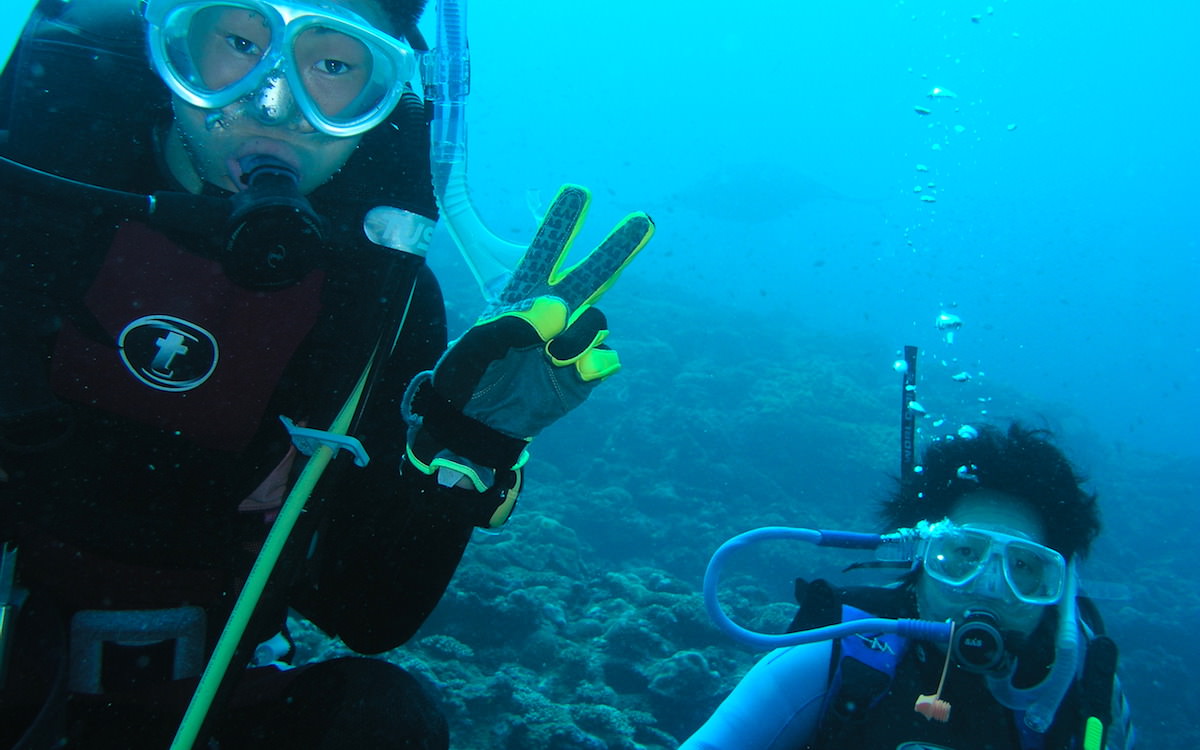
{"x":1022,"y":462}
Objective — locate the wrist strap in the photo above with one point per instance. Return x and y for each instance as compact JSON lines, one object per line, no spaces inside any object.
{"x":462,"y":435}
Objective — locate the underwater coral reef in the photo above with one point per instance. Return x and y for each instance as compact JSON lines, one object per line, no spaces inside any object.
{"x":580,"y":624}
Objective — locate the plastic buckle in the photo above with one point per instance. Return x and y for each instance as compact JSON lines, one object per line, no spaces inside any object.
{"x":138,"y":635}
{"x":307,"y":440}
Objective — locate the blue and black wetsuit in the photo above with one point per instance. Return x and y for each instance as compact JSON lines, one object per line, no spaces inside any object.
{"x":859,"y":692}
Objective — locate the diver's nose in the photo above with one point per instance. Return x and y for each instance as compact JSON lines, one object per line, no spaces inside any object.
{"x":991,"y":581}
{"x":273,"y":102}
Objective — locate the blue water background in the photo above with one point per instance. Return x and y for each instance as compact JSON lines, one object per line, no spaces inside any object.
{"x":1065,"y":222}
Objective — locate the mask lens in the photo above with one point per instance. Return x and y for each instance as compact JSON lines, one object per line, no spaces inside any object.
{"x":1034,"y":572}
{"x":344,"y":76}
{"x":956,"y":557}
{"x":215,"y":47}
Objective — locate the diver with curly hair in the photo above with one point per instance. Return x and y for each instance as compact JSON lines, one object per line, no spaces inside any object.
{"x":991,"y":527}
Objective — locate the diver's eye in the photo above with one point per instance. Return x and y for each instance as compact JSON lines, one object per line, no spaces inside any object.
{"x":958,"y":561}
{"x":965,"y":554}
{"x":243,"y":45}
{"x":333,"y":67}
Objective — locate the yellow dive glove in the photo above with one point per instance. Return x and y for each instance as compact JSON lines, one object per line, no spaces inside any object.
{"x":532,"y":356}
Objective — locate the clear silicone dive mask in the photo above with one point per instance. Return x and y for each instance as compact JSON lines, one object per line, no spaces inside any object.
{"x":344,"y":75}
{"x":992,"y":563}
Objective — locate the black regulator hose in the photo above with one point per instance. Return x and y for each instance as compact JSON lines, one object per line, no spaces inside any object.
{"x":273,"y":236}
{"x":196,"y":213}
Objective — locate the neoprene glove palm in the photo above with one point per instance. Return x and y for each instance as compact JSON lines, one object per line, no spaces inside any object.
{"x":532,"y":356}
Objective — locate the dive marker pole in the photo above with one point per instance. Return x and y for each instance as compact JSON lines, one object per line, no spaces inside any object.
{"x":908,"y":420}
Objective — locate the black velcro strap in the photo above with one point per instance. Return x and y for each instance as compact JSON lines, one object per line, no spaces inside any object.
{"x":462,"y":435}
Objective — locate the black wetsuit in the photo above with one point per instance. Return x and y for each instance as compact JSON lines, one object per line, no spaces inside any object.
{"x":123,"y":494}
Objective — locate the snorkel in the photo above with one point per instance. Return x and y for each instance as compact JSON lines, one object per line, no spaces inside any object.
{"x":446,"y":71}
{"x":1040,"y":702}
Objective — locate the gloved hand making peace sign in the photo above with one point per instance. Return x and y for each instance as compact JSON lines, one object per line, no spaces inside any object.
{"x":533,"y":355}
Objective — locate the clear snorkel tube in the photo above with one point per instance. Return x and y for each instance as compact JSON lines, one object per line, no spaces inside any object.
{"x":1040,"y":702}
{"x":897,"y":546}
{"x":446,"y":71}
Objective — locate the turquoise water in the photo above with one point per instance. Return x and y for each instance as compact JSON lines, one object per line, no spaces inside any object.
{"x":1062,"y":226}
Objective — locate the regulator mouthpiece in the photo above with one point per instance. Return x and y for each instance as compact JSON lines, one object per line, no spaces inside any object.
{"x":275,"y":236}
{"x":977,"y":644}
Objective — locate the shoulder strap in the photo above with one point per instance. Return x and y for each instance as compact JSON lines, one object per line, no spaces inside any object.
{"x":862,"y":668}
{"x":821,"y":603}
{"x":390,"y":167}
{"x":1096,"y":690}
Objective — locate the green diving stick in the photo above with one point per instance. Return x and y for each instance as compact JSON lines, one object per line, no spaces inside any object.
{"x":264,"y":565}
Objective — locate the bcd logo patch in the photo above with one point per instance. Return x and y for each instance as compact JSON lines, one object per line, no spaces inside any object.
{"x":168,"y":353}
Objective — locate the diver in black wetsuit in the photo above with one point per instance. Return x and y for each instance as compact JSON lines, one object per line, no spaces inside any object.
{"x":166,"y":362}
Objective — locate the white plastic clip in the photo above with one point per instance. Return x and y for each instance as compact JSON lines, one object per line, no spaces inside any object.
{"x":307,"y":440}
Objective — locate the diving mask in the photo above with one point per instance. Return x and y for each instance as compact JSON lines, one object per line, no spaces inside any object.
{"x":992,"y":563}
{"x":344,"y":75}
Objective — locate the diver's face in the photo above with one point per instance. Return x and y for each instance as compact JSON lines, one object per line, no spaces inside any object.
{"x":205,"y":145}
{"x":992,"y":511}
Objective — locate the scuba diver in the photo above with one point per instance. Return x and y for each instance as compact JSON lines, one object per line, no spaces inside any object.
{"x":991,"y":527}
{"x":226,"y":390}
